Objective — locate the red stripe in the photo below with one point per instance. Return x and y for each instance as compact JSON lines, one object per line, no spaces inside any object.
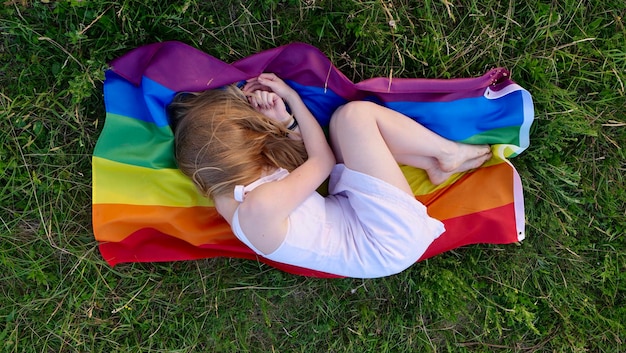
{"x":494,"y":226}
{"x":150,"y":245}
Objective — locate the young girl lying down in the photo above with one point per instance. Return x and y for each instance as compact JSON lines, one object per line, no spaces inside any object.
{"x":262,"y":166}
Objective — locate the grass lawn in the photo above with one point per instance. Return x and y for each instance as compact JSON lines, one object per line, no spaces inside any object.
{"x":563,"y":289}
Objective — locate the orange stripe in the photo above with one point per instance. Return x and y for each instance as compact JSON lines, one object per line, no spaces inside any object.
{"x":483,"y":189}
{"x":195,"y":225}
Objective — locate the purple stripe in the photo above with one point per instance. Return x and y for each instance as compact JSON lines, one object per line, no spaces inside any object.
{"x":434,"y":90}
{"x":180,"y":67}
{"x":176,"y":66}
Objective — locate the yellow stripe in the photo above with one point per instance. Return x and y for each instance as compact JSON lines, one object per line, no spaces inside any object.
{"x":119,"y":183}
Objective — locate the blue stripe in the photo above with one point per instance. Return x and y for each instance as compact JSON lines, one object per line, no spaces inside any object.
{"x":456,"y":120}
{"x":146,"y":102}
{"x":321,"y":102}
{"x":461,"y":119}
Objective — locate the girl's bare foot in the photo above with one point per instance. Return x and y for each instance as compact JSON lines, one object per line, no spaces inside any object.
{"x":462,"y":157}
{"x":438,"y":175}
{"x":473,"y":163}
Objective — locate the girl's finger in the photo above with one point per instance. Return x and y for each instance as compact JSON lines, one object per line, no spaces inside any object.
{"x":267,"y":99}
{"x":267,"y":76}
{"x":253,"y":101}
{"x":253,"y":86}
{"x":273,"y":98}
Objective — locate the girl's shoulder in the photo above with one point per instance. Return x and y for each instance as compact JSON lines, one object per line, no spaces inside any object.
{"x":262,"y":226}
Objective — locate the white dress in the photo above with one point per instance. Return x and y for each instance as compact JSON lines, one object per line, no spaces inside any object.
{"x":365,"y":228}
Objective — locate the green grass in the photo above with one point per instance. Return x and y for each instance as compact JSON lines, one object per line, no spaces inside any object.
{"x":562,"y":290}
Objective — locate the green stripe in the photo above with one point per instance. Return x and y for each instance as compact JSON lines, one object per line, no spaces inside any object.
{"x":506,"y":135}
{"x":136,"y":142}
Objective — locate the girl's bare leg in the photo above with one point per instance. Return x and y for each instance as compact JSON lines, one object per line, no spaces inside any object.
{"x":372,"y":139}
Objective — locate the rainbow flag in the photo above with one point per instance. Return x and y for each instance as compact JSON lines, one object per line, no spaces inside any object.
{"x":145,"y":209}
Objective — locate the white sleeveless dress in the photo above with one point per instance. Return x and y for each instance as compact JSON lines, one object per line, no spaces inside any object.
{"x":365,"y":228}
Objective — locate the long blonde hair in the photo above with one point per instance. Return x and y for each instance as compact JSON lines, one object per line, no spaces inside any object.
{"x":221,"y":141}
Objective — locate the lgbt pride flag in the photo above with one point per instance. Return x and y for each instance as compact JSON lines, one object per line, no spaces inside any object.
{"x":145,"y":209}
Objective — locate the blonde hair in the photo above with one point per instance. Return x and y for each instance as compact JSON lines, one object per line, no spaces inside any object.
{"x":221,"y":141}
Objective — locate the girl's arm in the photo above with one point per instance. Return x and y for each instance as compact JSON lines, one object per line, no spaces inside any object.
{"x":264,"y":213}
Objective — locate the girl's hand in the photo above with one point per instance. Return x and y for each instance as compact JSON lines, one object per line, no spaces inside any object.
{"x":271,"y":83}
{"x":270,"y":105}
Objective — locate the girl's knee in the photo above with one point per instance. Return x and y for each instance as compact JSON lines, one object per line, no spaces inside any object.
{"x":355,"y":112}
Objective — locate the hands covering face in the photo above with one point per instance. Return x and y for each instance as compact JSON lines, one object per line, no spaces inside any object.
{"x":266,"y":93}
